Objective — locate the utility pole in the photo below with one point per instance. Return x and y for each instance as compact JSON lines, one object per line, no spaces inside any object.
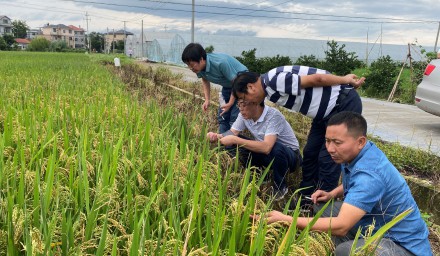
{"x":113,"y":41}
{"x":88,"y":33}
{"x":366,"y":52}
{"x":125,"y":40}
{"x":192,"y":21}
{"x":436,"y":39}
{"x":142,"y":39}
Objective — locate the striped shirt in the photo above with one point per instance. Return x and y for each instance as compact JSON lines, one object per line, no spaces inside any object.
{"x":283,"y":87}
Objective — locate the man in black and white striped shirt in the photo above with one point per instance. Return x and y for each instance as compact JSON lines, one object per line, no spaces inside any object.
{"x":315,"y":93}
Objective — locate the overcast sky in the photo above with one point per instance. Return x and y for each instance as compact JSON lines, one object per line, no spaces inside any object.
{"x":398,"y":21}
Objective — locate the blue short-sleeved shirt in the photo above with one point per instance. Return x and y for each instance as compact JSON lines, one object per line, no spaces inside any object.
{"x":374,"y":185}
{"x":221,"y":69}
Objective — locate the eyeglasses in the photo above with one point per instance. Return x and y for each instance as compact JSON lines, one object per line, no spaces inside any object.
{"x":193,"y":65}
{"x":242,"y":103}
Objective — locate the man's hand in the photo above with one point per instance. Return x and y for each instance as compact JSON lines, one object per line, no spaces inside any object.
{"x":321,"y":196}
{"x":274,"y":216}
{"x":205,"y":105}
{"x":228,"y":140}
{"x":225,"y":108}
{"x":212,"y":136}
{"x":353,"y":80}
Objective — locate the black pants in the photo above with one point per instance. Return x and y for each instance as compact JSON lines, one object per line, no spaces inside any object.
{"x":283,"y":157}
{"x":319,"y":170}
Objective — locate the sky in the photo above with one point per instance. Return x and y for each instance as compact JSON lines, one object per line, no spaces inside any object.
{"x":391,"y":22}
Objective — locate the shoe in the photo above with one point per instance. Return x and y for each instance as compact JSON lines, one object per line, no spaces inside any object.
{"x":278,"y":194}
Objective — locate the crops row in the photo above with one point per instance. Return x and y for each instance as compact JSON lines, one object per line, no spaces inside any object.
{"x":98,"y":165}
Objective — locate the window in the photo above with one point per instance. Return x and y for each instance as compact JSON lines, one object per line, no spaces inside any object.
{"x":5,"y":21}
{"x":76,"y":39}
{"x":64,"y":31}
{"x":70,"y":31}
{"x":54,"y":30}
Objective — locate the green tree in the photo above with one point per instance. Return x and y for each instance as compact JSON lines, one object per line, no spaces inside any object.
{"x":58,"y":46}
{"x":118,"y":46}
{"x":267,"y":63}
{"x":381,"y":77}
{"x":339,"y":61}
{"x":248,"y":59}
{"x":262,"y":65}
{"x":39,"y":44}
{"x":9,"y":39}
{"x":19,"y":29}
{"x":3,"y":45}
{"x":97,"y":41}
{"x":309,"y":60}
{"x":209,"y":49}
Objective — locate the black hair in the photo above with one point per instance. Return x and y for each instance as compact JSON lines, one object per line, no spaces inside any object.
{"x":355,"y":122}
{"x":239,"y":85}
{"x":193,"y":52}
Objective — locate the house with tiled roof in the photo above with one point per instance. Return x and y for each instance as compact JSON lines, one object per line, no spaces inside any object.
{"x":114,"y":36}
{"x":73,"y":36}
{"x":5,"y":25}
{"x":22,"y":43}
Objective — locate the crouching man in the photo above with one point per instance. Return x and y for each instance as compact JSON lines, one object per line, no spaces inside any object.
{"x":373,"y":191}
{"x":274,"y":140}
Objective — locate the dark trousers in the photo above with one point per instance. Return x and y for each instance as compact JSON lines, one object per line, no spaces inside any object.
{"x":283,"y":157}
{"x":319,"y":170}
{"x":343,"y":244}
{"x":227,"y":119}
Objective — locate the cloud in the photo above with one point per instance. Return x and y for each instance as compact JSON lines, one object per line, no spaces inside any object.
{"x":340,"y":20}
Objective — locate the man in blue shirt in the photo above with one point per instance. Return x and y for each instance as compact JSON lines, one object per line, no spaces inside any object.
{"x":373,"y":190}
{"x":217,"y":68}
{"x":314,"y":93}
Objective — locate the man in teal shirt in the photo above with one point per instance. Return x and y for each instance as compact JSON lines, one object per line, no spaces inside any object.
{"x":218,"y":68}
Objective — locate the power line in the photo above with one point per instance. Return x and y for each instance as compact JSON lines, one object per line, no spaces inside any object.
{"x":367,"y":19}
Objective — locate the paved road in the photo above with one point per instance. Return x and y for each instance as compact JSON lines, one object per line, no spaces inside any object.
{"x":392,"y":122}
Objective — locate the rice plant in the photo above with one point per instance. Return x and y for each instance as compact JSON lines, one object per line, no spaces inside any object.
{"x":93,"y":163}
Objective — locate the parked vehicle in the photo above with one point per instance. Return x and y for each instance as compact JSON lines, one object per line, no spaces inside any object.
{"x":428,"y":91}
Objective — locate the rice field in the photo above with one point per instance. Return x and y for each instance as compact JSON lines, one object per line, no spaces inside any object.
{"x":91,"y":164}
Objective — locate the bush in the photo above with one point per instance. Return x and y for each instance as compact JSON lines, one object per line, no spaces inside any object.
{"x":58,"y":46}
{"x":3,"y":45}
{"x":310,"y":61}
{"x":381,"y":77}
{"x":248,"y":59}
{"x":339,"y":61}
{"x":262,"y":65}
{"x":39,"y":44}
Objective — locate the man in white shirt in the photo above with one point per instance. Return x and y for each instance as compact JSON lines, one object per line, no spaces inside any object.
{"x":274,"y":140}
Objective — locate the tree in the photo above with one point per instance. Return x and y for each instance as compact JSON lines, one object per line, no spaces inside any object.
{"x":3,"y":45}
{"x":9,"y":39}
{"x":339,"y":61}
{"x":309,"y":60}
{"x":19,"y":29}
{"x":39,"y":44}
{"x":58,"y":46}
{"x":209,"y":49}
{"x":381,"y":77}
{"x":248,"y":59}
{"x":97,"y":41}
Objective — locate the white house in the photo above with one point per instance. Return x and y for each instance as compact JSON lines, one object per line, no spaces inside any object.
{"x":5,"y":25}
